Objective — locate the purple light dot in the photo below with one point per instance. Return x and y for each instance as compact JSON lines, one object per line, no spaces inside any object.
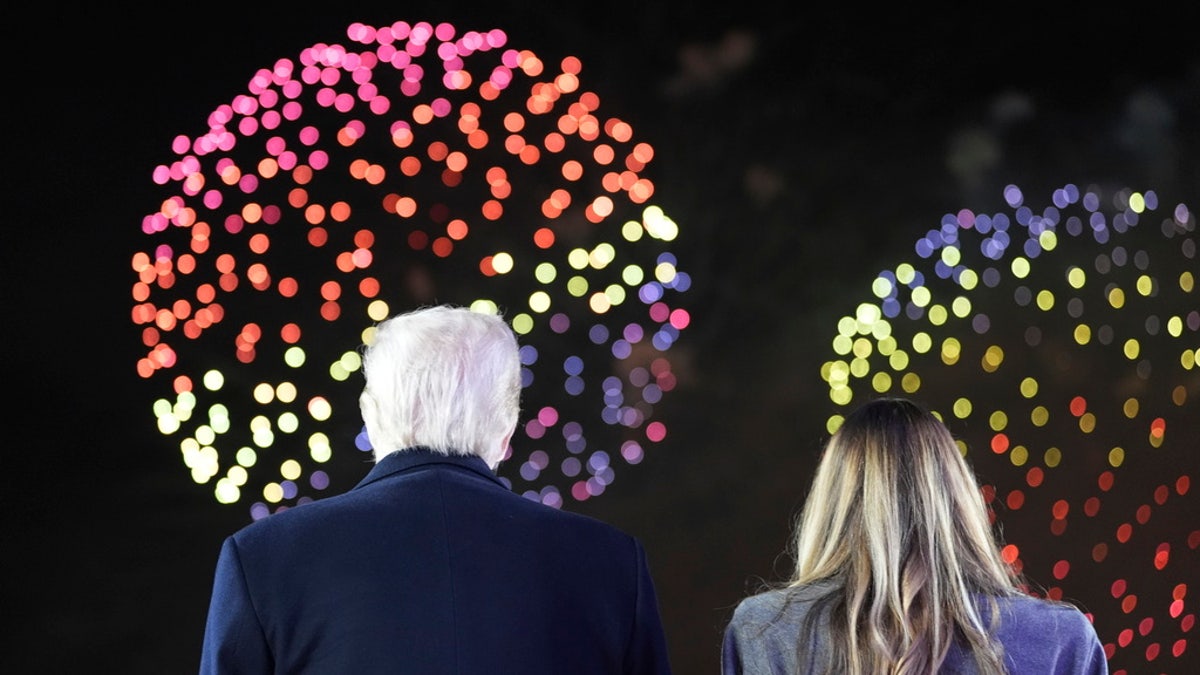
{"x":682,"y":281}
{"x":639,"y":376}
{"x":532,"y":495}
{"x":552,"y":499}
{"x":1013,"y":196}
{"x":610,"y":415}
{"x":597,"y":461}
{"x":1032,"y":248}
{"x":571,"y":467}
{"x":924,"y":248}
{"x":534,"y":429}
{"x":559,"y":323}
{"x":621,"y":349}
{"x":633,"y":333}
{"x":650,"y":292}
{"x":259,"y":510}
{"x":574,"y":385}
{"x":632,"y":452}
{"x":981,"y":323}
{"x":942,"y":269}
{"x":594,"y":487}
{"x":598,"y":334}
{"x":652,"y":393}
{"x":528,"y":355}
{"x":529,"y":472}
{"x":572,"y":430}
{"x":289,"y":489}
{"x":983,"y":224}
{"x":319,"y":480}
{"x":576,"y":445}
{"x":526,"y":377}
{"x":611,"y":386}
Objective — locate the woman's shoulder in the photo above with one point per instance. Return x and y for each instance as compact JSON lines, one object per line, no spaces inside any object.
{"x":1037,"y":615}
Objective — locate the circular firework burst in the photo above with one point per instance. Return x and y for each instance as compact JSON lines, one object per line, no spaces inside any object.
{"x":415,"y":164}
{"x":1063,"y":349}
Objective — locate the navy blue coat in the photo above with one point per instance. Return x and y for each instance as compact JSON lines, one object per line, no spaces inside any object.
{"x":430,"y":565}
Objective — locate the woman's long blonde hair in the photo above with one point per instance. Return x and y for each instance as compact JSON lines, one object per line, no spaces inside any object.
{"x":896,"y":526}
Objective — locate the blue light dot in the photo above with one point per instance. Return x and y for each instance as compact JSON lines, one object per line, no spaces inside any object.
{"x":528,"y":355}
{"x":621,"y":349}
{"x":598,"y":334}
{"x":574,"y":385}
{"x":573,"y":365}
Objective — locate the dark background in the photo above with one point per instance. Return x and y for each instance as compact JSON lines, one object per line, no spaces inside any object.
{"x":795,"y":173}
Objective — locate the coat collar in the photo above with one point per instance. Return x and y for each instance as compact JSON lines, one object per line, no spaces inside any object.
{"x":418,"y":457}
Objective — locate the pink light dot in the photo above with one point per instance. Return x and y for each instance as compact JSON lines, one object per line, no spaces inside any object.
{"x":501,"y":77}
{"x":292,"y":111}
{"x":288,"y":161}
{"x":247,"y":126}
{"x":445,"y":31}
{"x":180,"y":144}
{"x":1145,"y":626}
{"x":410,"y":88}
{"x":579,"y":491}
{"x":548,"y":416}
{"x":497,"y":38}
{"x":446,"y":51}
{"x":534,"y":429}
{"x":401,"y":29}
{"x":212,"y":199}
{"x":680,"y":319}
{"x":343,"y":103}
{"x":248,"y":183}
{"x":1179,"y":647}
{"x":318,"y":159}
{"x":656,"y":431}
{"x":380,"y":105}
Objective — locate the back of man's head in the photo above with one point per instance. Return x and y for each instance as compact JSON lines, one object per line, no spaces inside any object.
{"x":444,"y":378}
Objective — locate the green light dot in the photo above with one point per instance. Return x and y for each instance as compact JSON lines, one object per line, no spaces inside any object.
{"x":632,"y":275}
{"x":859,"y":368}
{"x":842,"y":345}
{"x":631,"y":230}
{"x":246,"y":456}
{"x":577,"y":258}
{"x":577,"y":286}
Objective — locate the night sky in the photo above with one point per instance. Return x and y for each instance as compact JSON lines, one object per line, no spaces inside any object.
{"x":800,"y":152}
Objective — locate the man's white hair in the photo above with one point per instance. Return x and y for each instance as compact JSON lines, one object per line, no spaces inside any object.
{"x":444,"y":378}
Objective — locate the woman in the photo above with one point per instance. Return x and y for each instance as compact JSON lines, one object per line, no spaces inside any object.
{"x":897,"y":570}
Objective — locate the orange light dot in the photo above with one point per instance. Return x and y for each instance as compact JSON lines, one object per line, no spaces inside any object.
{"x":999,"y":443}
{"x":1078,"y":406}
{"x":543,"y":237}
{"x":1009,"y":553}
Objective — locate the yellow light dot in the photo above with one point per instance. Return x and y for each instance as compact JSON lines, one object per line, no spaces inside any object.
{"x":205,"y":434}
{"x":998,"y":420}
{"x":631,"y":230}
{"x":602,"y":255}
{"x":1175,"y":326}
{"x":290,"y":469}
{"x":1083,"y":334}
{"x":968,"y":280}
{"x":1116,"y":298}
{"x":522,"y":324}
{"x":921,"y":342}
{"x":615,"y":294}
{"x":226,"y":492}
{"x":905,"y":273}
{"x":263,"y":393}
{"x":545,"y":272}
{"x":319,"y":408}
{"x":599,"y":303}
{"x":881,"y":382}
{"x":898,"y":360}
{"x":834,"y":423}
{"x":577,"y":286}
{"x":1145,"y":286}
{"x":288,"y":423}
{"x":632,"y":275}
{"x":273,"y":492}
{"x":993,"y":357}
{"x":887,"y":346}
{"x":1137,"y":202}
{"x":962,"y":408}
{"x":842,"y":345}
{"x":659,"y":225}
{"x":1018,"y":455}
{"x":1132,"y":349}
{"x":1179,"y":395}
{"x":961,"y":307}
{"x":213,"y":380}
{"x":1187,"y":282}
{"x":1028,"y":387}
{"x":938,"y":315}
{"x":1020,"y":267}
{"x":839,"y":372}
{"x":841,"y":396}
{"x":502,"y":263}
{"x":539,"y":301}
{"x":664,"y":272}
{"x":881,"y":330}
{"x":921,"y":296}
{"x":1076,"y":277}
{"x":859,"y":368}
{"x":910,"y":383}
{"x":319,"y":447}
{"x":1045,"y":300}
{"x":951,"y":256}
{"x":237,"y":475}
{"x":1048,"y":240}
{"x":378,"y":310}
{"x":286,"y":392}
{"x":881,"y":287}
{"x":577,"y":258}
{"x":1116,"y":457}
{"x":1039,"y":416}
{"x":1130,"y":408}
{"x":862,"y":348}
{"x":1052,"y":458}
{"x":1188,"y":359}
{"x":1087,"y":423}
{"x":246,"y":456}
{"x":951,"y":349}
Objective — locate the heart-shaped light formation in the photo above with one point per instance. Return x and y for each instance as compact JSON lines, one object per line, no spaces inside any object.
{"x":415,"y":164}
{"x":1062,"y":347}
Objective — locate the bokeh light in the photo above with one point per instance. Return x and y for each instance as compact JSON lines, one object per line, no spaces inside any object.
{"x":1061,"y":345}
{"x":412,"y":164}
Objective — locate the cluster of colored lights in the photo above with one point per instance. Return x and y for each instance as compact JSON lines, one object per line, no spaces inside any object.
{"x":415,"y":165}
{"x":1062,"y":347}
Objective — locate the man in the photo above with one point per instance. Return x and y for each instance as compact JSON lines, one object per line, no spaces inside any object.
{"x":430,"y":565}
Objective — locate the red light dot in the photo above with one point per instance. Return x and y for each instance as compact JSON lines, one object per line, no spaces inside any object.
{"x":1092,"y":506}
{"x":1125,"y":637}
{"x":1015,"y":499}
{"x":1009,"y":553}
{"x":1152,"y":651}
{"x":1105,"y":481}
{"x":1109,"y":650}
{"x":1061,"y":568}
{"x":1143,"y":514}
{"x":1179,"y":647}
{"x":1078,"y":407}
{"x":1182,"y":484}
{"x":1129,"y":603}
{"x":1158,"y":427}
{"x":1176,"y":608}
{"x":1160,"y":495}
{"x":1124,"y":531}
{"x":1100,"y":552}
{"x":999,"y":443}
{"x":1187,"y":622}
{"x":1194,"y":539}
{"x":1179,"y":592}
{"x":1145,"y":626}
{"x":989,"y":493}
{"x":1118,"y":588}
{"x":1034,"y":477}
{"x":543,"y":237}
{"x":1057,"y":527}
{"x":1060,"y":509}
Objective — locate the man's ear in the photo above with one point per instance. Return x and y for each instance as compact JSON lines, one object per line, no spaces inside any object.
{"x":369,"y":408}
